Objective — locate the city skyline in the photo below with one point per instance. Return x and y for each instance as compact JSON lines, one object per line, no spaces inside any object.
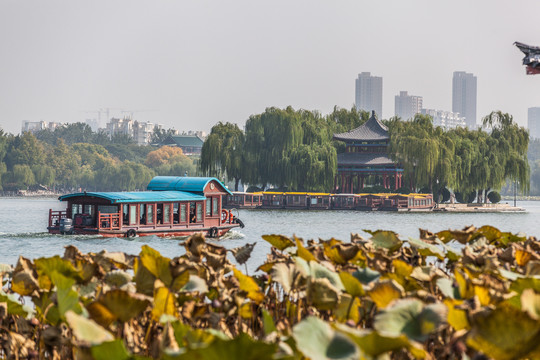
{"x":198,"y":63}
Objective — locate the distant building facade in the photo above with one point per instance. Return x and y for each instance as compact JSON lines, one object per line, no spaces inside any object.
{"x":445,"y":119}
{"x":368,"y":94}
{"x":141,"y":132}
{"x":464,"y":97}
{"x":190,"y":144}
{"x":533,"y":122}
{"x":35,"y":126}
{"x":406,"y":106}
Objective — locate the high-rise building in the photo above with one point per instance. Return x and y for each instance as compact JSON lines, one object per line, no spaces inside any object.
{"x":407,"y":105}
{"x":368,"y":94}
{"x":445,"y":119}
{"x":464,"y":97}
{"x":533,"y":122}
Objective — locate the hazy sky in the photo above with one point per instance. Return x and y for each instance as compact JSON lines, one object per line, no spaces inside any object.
{"x":194,"y":63}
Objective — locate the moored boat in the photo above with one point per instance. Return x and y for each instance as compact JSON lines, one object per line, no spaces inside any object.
{"x":171,"y":206}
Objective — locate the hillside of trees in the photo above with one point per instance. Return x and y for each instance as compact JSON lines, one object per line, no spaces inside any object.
{"x":293,"y":149}
{"x":73,"y":157}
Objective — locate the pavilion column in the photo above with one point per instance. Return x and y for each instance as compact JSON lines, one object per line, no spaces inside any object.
{"x":362,"y":182}
{"x":385,"y":181}
{"x":358,"y":181}
{"x":350,"y":184}
{"x":342,"y":183}
{"x":396,"y":180}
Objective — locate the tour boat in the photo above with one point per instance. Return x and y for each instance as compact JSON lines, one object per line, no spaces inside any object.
{"x":171,"y":206}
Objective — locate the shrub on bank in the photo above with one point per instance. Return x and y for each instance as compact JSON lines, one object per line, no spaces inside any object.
{"x":364,"y":298}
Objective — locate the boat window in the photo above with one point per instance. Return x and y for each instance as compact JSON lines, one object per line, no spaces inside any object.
{"x":132,"y":214}
{"x":76,"y":209}
{"x":159,"y":213}
{"x":166,"y":213}
{"x":150,"y":214}
{"x":192,"y":213}
{"x":208,"y":206}
{"x":125,"y":213}
{"x":89,"y":209}
{"x":249,"y":198}
{"x":182,"y":212}
{"x":215,"y":205}
{"x":176,"y":214}
{"x":143,"y":214}
{"x":199,"y":212}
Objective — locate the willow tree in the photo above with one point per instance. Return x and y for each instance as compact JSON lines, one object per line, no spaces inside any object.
{"x":513,"y":142}
{"x":415,"y":145}
{"x":222,"y":153}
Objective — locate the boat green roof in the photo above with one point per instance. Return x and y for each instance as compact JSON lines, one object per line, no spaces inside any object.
{"x":138,"y":196}
{"x":183,"y":183}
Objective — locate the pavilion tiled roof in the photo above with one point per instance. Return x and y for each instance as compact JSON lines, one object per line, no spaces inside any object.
{"x":346,"y":159}
{"x":372,"y":129}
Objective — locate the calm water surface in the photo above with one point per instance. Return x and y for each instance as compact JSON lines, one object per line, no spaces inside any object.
{"x":23,"y":228}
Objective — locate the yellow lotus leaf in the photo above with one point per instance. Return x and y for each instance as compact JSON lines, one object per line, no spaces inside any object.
{"x":457,"y":318}
{"x":266,"y":267}
{"x":352,"y":285}
{"x":24,"y":283}
{"x":483,"y":295}
{"x":530,"y":303}
{"x":504,"y":333}
{"x":466,"y":289}
{"x":155,"y":263}
{"x":280,"y":242}
{"x":249,"y":285}
{"x":121,"y":304}
{"x":522,"y":257}
{"x":384,"y":292}
{"x":332,"y":252}
{"x":164,"y":303}
{"x":303,"y":252}
{"x":245,"y":311}
{"x":348,"y":308}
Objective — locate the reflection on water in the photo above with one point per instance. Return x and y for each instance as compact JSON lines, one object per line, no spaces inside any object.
{"x":23,"y":224}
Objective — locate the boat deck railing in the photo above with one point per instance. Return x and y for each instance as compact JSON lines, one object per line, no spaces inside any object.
{"x":56,"y":216}
{"x":109,"y":221}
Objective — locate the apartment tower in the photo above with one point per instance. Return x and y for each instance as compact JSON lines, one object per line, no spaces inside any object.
{"x":464,"y":97}
{"x":406,"y":106}
{"x":533,"y":122}
{"x":368,"y":95}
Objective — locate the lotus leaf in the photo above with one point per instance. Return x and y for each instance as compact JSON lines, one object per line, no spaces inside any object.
{"x":280,"y":242}
{"x":366,"y":275}
{"x":67,"y":298}
{"x":185,"y":336}
{"x":332,"y":252}
{"x":243,"y":253}
{"x":249,"y":285}
{"x":303,"y":252}
{"x":157,"y":265}
{"x":374,"y":344}
{"x":348,"y":308}
{"x":319,"y":271}
{"x":180,"y":281}
{"x":323,"y":294}
{"x":466,"y":289}
{"x":46,"y":266}
{"x":24,"y":283}
{"x":117,"y":278}
{"x":384,"y":292}
{"x":426,"y":249}
{"x":530,"y":303}
{"x":489,"y":232}
{"x":117,"y":305}
{"x":352,"y":285}
{"x":522,"y":257}
{"x":411,"y":318}
{"x":195,"y":284}
{"x":164,"y":303}
{"x":144,"y":279}
{"x":268,"y":323}
{"x":14,"y":307}
{"x":289,"y":276}
{"x":110,"y":350}
{"x":241,"y":347}
{"x":504,"y":333}
{"x":385,"y":239}
{"x":318,"y":341}
{"x":447,"y":288}
{"x":457,"y":318}
{"x":87,"y":331}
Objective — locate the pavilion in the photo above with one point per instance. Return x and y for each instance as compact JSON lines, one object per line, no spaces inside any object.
{"x":365,"y":160}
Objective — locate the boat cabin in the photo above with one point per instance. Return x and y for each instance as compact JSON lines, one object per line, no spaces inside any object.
{"x":171,"y":206}
{"x":243,"y":200}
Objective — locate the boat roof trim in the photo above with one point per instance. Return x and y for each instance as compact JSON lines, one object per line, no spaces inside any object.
{"x":138,"y":196}
{"x":184,"y":183}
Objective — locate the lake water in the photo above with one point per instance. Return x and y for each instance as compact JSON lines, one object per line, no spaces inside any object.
{"x":23,"y":228}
